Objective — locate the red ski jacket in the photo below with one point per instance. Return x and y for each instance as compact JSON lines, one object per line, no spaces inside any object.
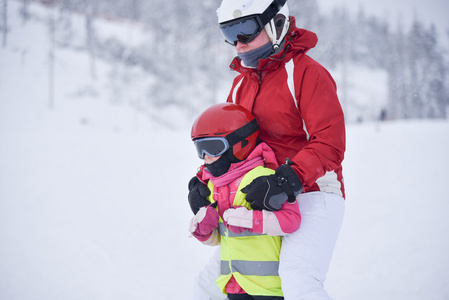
{"x":294,"y":100}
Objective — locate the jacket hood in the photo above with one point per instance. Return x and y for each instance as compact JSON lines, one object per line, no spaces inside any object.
{"x":299,"y":39}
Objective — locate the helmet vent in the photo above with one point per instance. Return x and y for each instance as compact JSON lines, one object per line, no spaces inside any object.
{"x":247,"y":4}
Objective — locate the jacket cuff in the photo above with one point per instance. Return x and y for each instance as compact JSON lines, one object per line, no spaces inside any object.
{"x":257,"y":221}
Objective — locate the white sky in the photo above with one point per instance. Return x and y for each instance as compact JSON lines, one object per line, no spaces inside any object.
{"x":428,"y":11}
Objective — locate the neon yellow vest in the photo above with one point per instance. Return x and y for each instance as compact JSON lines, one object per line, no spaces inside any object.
{"x":252,"y":258}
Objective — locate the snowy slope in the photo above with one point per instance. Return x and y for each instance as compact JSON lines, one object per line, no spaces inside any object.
{"x":93,"y":195}
{"x":94,"y":214}
{"x":394,"y":244}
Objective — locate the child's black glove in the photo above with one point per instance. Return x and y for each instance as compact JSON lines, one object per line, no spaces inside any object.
{"x":198,"y":193}
{"x":270,"y":192}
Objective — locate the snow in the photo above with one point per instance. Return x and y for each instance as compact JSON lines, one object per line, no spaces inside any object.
{"x":93,"y":194}
{"x":393,"y":243}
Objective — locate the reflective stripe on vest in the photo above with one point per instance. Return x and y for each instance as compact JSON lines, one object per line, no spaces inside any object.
{"x":244,"y":267}
{"x":224,"y":232}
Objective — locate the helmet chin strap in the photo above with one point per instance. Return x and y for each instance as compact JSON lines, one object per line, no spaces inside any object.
{"x":271,"y":32}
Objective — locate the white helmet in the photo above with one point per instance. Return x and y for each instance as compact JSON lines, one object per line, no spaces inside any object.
{"x":243,"y":20}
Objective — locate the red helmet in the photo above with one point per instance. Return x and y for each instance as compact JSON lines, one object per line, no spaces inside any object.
{"x":232,"y":122}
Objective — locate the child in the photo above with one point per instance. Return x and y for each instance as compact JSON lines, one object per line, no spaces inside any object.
{"x":225,"y":136}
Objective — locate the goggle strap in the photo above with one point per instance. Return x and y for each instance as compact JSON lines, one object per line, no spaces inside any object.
{"x":242,"y":133}
{"x":272,"y":11}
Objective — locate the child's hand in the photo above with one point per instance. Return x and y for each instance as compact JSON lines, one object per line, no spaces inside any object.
{"x":198,"y":193}
{"x":204,"y":222}
{"x":238,"y":219}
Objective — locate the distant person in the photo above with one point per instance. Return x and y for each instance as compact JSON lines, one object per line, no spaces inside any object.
{"x":295,"y":102}
{"x":225,"y":136}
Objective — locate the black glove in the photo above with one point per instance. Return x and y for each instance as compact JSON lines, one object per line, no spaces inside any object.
{"x":198,"y":193}
{"x":270,"y":192}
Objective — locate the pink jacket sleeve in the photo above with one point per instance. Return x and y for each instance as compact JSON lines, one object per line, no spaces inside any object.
{"x":277,"y":223}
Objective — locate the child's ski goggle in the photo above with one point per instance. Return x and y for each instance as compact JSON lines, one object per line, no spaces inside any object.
{"x":242,"y":30}
{"x":212,"y":146}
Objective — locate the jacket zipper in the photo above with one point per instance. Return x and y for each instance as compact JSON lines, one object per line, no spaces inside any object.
{"x":229,"y":250}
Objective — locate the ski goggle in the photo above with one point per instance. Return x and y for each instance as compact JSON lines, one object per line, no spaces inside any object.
{"x":242,"y":30}
{"x":212,"y":146}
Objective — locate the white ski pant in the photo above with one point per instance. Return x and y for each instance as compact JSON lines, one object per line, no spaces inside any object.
{"x":305,"y":254}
